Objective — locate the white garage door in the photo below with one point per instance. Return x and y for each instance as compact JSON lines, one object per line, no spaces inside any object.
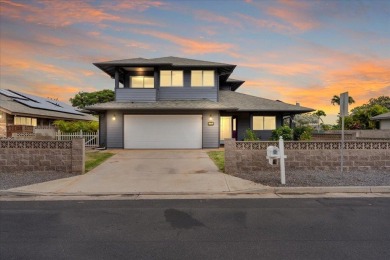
{"x":163,"y":131}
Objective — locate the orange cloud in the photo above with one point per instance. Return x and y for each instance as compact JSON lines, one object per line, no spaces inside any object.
{"x":262,"y":23}
{"x":139,"y":5}
{"x":291,"y":16}
{"x":212,"y":17}
{"x":191,"y":46}
{"x":65,"y":13}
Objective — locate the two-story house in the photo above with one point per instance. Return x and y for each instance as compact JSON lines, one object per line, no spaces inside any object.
{"x":173,"y":102}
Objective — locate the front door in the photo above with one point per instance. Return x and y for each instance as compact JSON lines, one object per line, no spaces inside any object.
{"x":226,"y":128}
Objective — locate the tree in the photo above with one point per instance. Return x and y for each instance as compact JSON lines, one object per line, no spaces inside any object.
{"x":382,"y":101}
{"x":318,"y":114}
{"x":362,"y":116}
{"x":336,"y":100}
{"x":83,"y":99}
{"x":305,"y":119}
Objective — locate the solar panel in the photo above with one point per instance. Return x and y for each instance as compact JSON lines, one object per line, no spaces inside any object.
{"x":10,"y":94}
{"x":43,"y":103}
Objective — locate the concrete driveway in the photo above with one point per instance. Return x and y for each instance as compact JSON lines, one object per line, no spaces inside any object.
{"x":149,"y":172}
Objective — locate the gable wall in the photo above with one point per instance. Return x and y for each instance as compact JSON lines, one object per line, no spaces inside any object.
{"x":385,"y":124}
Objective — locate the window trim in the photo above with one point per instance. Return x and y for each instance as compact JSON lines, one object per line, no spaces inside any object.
{"x":171,"y":76}
{"x":263,"y":119}
{"x":202,"y":79}
{"x":143,"y":82}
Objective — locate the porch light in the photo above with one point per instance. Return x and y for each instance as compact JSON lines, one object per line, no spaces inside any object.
{"x":114,"y":117}
{"x":211,"y":117}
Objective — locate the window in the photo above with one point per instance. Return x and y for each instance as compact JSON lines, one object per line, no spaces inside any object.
{"x":202,"y":78}
{"x":171,"y":78}
{"x":142,"y":82}
{"x":19,"y":120}
{"x":264,"y":122}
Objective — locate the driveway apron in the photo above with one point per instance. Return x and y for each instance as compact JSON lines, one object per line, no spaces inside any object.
{"x":149,"y":171}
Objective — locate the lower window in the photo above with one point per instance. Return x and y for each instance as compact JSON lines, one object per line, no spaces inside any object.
{"x":19,"y":120}
{"x":264,"y":122}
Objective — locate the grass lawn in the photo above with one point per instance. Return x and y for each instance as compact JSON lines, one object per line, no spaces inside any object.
{"x":219,"y":159}
{"x":95,"y":158}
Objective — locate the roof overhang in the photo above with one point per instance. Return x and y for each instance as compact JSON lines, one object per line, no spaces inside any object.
{"x":178,"y":105}
{"x":110,"y":68}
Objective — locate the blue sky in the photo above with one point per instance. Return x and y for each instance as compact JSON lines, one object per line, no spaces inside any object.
{"x":295,"y":51}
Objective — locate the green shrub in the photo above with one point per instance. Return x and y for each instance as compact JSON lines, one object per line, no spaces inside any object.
{"x":250,"y":135}
{"x":76,"y":126}
{"x":302,"y":133}
{"x":305,"y":136}
{"x":284,"y":131}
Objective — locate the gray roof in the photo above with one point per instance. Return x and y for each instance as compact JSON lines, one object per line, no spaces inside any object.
{"x":173,"y":61}
{"x":109,"y":66}
{"x":382,"y":116}
{"x":28,"y":105}
{"x":228,"y":101}
{"x":245,"y":102}
{"x":204,"y":104}
{"x":234,"y":84}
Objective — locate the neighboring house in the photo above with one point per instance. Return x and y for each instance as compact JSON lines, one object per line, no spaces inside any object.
{"x":384,"y":121}
{"x":178,"y":103}
{"x":20,"y":111}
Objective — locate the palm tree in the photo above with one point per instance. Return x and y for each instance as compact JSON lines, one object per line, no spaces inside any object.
{"x":336,"y":100}
{"x":318,"y":114}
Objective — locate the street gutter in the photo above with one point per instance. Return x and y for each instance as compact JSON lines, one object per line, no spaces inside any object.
{"x":267,"y":190}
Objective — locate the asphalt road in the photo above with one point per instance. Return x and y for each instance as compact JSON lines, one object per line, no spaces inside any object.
{"x":353,"y":228}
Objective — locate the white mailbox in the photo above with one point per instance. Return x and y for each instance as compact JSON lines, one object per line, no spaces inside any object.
{"x":273,"y":153}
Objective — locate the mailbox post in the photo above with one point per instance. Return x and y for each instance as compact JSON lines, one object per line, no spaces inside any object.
{"x":282,"y":166}
{"x":274,"y":153}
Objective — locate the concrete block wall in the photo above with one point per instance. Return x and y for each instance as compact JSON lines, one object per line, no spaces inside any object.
{"x":250,"y":157}
{"x":34,"y":156}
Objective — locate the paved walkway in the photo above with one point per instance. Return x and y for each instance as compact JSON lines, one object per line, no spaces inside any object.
{"x":149,"y":172}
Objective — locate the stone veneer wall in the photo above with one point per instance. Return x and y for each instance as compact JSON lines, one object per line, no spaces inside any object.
{"x":250,"y":157}
{"x":35,"y":156}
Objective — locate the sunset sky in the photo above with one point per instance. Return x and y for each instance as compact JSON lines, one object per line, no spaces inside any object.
{"x":294,"y":51}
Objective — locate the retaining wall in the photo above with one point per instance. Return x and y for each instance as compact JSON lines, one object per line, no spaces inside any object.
{"x":250,"y":157}
{"x":34,"y":156}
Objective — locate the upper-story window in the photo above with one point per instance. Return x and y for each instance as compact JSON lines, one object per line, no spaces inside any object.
{"x":264,"y":123}
{"x":142,"y":82}
{"x":202,"y":78}
{"x":171,"y":78}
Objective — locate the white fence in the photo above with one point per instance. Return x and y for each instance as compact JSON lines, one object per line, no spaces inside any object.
{"x":91,"y":138}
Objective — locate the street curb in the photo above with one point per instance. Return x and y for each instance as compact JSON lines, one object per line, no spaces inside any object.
{"x":267,"y":190}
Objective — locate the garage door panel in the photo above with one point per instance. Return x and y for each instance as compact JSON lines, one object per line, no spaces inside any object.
{"x":163,"y":131}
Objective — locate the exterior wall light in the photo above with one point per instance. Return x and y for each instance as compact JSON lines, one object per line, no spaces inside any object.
{"x":114,"y":117}
{"x":211,"y":117}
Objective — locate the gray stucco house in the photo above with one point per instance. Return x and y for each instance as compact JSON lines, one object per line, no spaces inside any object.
{"x":384,"y":121}
{"x":179,"y":103}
